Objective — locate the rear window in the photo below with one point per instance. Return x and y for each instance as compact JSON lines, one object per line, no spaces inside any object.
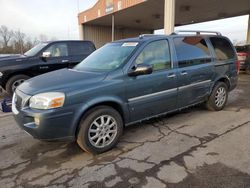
{"x":191,"y":50}
{"x":81,"y":48}
{"x":222,"y":48}
{"x":243,"y":49}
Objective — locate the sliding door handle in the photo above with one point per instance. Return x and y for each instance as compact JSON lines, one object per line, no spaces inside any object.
{"x":171,"y":76}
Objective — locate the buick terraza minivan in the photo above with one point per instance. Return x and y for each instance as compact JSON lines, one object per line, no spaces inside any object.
{"x":125,"y":82}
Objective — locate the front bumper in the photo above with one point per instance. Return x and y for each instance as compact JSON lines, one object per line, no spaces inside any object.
{"x":242,"y":65}
{"x":54,"y":124}
{"x":1,"y":84}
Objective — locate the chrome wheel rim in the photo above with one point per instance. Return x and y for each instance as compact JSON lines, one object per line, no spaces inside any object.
{"x":16,"y":84}
{"x":220,"y":97}
{"x":102,"y":131}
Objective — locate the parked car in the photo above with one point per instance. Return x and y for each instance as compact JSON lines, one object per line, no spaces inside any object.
{"x":243,"y":53}
{"x":126,"y":82}
{"x":43,"y":58}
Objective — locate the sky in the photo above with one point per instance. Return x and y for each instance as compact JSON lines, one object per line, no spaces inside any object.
{"x":54,"y":18}
{"x":58,"y":19}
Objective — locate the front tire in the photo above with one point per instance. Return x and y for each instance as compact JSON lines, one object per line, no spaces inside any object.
{"x":247,"y":69}
{"x":14,"y":82}
{"x":100,"y":130}
{"x":218,"y":98}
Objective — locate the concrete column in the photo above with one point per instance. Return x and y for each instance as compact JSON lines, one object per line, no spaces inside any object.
{"x":81,"y":33}
{"x":113,"y":27}
{"x":169,"y":16}
{"x":248,"y":31}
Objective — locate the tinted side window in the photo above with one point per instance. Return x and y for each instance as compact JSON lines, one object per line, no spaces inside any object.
{"x":81,"y":48}
{"x":222,"y":48}
{"x":58,"y":50}
{"x":156,"y":54}
{"x":191,"y":51}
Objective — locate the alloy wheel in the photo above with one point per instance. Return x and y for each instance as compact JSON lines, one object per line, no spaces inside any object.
{"x":102,"y":131}
{"x":220,"y":97}
{"x":16,"y":84}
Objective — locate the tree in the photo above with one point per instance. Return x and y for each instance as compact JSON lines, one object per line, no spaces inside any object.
{"x":19,"y":41}
{"x":43,"y":38}
{"x":53,"y":38}
{"x":12,"y":42}
{"x":6,"y":35}
{"x":28,"y":44}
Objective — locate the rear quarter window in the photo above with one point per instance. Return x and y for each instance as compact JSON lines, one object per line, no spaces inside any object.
{"x":222,"y":48}
{"x":81,"y":48}
{"x":191,"y":50}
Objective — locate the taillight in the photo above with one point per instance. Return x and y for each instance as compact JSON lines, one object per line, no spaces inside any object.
{"x":242,"y":56}
{"x":238,"y":66}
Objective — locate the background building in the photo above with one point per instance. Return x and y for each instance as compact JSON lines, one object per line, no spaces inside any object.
{"x":111,"y":20}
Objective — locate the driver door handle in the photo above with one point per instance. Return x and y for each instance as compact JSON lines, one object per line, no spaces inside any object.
{"x":44,"y":67}
{"x":184,"y":73}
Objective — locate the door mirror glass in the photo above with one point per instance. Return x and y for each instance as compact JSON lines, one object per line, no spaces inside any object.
{"x":141,"y":69}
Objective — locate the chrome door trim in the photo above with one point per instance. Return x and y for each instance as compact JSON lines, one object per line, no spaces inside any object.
{"x":195,"y":84}
{"x":152,"y":94}
{"x":168,"y":91}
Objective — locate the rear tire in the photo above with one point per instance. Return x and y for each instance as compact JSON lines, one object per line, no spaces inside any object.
{"x":100,"y":130}
{"x":218,"y":97}
{"x":247,"y":70}
{"x":14,"y":82}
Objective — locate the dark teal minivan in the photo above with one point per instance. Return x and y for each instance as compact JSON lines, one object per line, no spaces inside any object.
{"x":125,"y":82}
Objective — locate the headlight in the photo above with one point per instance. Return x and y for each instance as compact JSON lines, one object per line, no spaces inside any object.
{"x":1,"y":74}
{"x":46,"y":101}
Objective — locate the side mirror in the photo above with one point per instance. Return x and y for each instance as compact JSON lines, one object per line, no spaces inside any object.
{"x":46,"y":55}
{"x":141,"y":69}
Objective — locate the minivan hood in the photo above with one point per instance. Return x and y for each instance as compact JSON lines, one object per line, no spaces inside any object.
{"x":61,"y":80}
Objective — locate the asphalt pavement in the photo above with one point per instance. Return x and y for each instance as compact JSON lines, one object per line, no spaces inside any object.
{"x":195,"y":148}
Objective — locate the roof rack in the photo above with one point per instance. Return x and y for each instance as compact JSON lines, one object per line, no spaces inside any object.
{"x":148,"y":35}
{"x":197,"y":32}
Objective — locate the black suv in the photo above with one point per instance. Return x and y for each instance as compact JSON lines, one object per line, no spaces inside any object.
{"x":125,"y":82}
{"x":43,"y":58}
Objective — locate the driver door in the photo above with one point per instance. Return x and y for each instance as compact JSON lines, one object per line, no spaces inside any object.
{"x":156,"y":93}
{"x":58,"y":58}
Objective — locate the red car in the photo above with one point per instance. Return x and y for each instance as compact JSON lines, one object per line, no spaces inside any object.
{"x":243,"y":53}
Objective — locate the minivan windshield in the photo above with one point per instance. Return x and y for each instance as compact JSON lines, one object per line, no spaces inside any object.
{"x":107,"y":58}
{"x":33,"y":51}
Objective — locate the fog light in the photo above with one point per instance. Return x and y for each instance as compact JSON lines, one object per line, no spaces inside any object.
{"x":37,"y":120}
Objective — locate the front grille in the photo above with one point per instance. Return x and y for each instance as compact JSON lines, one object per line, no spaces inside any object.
{"x":18,"y":102}
{"x":21,"y":100}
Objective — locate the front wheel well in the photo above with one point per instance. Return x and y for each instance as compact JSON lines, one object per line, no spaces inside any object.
{"x":111,"y":104}
{"x":14,"y":74}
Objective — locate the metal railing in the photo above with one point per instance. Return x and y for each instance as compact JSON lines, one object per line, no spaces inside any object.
{"x":196,"y":32}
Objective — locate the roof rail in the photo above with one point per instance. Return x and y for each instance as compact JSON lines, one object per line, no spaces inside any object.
{"x":197,"y":32}
{"x":148,"y":35}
